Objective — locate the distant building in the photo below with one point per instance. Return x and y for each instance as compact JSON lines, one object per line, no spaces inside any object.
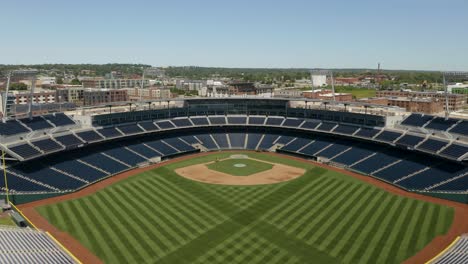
{"x":45,"y":97}
{"x":103,"y":96}
{"x":327,"y":95}
{"x":134,"y":94}
{"x":456,"y":101}
{"x":319,"y":80}
{"x":113,"y":83}
{"x":288,"y":93}
{"x":419,"y":105}
{"x":72,"y":94}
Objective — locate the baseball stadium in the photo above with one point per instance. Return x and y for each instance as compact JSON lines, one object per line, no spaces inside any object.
{"x":235,"y":180}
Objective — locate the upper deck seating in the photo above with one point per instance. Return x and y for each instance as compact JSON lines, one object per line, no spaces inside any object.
{"x":12,"y":127}
{"x":309,"y":124}
{"x":36,"y":123}
{"x":274,"y":121}
{"x":440,"y":123}
{"x":59,"y":119}
{"x":237,"y":120}
{"x":69,"y":140}
{"x":455,"y":150}
{"x":326,"y":126}
{"x":289,"y":122}
{"x":148,"y":126}
{"x":47,"y":145}
{"x":388,"y":136}
{"x":409,"y":140}
{"x":199,"y":121}
{"x":345,"y":129}
{"x":417,"y":120}
{"x":256,"y":120}
{"x":90,"y":136}
{"x":165,"y":124}
{"x":25,"y":150}
{"x":367,"y":132}
{"x":432,"y":145}
{"x":109,"y":132}
{"x":182,"y":122}
{"x":461,"y":128}
{"x":130,"y":129}
{"x":217,"y":120}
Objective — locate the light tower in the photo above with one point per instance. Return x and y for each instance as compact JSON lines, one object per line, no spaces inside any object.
{"x":31,"y":73}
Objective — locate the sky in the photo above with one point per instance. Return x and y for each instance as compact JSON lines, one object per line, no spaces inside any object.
{"x":400,"y":34}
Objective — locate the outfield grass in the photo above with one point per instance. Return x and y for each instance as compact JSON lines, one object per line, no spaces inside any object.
{"x":321,"y":217}
{"x":229,"y":166}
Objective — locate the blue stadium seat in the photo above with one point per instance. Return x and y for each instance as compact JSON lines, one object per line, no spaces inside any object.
{"x":367,"y":132}
{"x":432,"y":145}
{"x":182,"y":122}
{"x":290,"y":122}
{"x":69,"y":140}
{"x":316,"y":146}
{"x":148,"y":126}
{"x":36,"y":123}
{"x":200,"y":121}
{"x":47,"y":145}
{"x":125,"y":155}
{"x":48,"y":176}
{"x":165,"y":124}
{"x":237,"y":140}
{"x":325,"y":126}
{"x":105,"y":163}
{"x":217,"y":120}
{"x":130,"y":129}
{"x":460,"y":184}
{"x":190,"y":139}
{"x":461,"y":128}
{"x":268,"y":141}
{"x":90,"y":136}
{"x":178,"y":144}
{"x":110,"y":132}
{"x":296,"y":144}
{"x":417,"y":120}
{"x":256,"y":120}
{"x":12,"y":127}
{"x":375,"y":162}
{"x":162,"y":148}
{"x":310,"y":124}
{"x":274,"y":121}
{"x":455,"y":151}
{"x":79,"y":169}
{"x":406,"y":167}
{"x":440,"y":123}
{"x":435,"y":174}
{"x":237,"y":120}
{"x":253,"y":139}
{"x":345,"y":129}
{"x":17,"y":184}
{"x":388,"y":136}
{"x":336,"y":148}
{"x":284,"y":139}
{"x":59,"y":119}
{"x":207,"y":141}
{"x":221,"y":139}
{"x":25,"y":150}
{"x":358,"y":152}
{"x":144,"y":150}
{"x":409,"y":140}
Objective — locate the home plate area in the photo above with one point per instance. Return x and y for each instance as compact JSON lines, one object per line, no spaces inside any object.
{"x":240,"y":170}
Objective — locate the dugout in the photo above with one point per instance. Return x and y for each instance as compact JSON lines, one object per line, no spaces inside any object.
{"x":18,"y":219}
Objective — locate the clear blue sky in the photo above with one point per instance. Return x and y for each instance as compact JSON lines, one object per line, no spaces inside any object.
{"x":401,"y":34}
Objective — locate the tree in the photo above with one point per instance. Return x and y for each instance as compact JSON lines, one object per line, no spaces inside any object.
{"x":75,"y":82}
{"x":18,"y":86}
{"x":59,"y":80}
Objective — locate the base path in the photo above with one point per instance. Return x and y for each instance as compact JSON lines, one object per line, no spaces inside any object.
{"x":279,"y":173}
{"x":459,"y":225}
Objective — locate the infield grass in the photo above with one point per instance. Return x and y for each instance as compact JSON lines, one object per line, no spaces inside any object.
{"x":228,"y":166}
{"x":321,"y":217}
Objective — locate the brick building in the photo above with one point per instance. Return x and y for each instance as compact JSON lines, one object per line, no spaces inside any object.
{"x":103,"y":96}
{"x":456,"y":101}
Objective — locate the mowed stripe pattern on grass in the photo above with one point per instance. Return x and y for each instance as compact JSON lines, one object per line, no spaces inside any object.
{"x":159,"y":217}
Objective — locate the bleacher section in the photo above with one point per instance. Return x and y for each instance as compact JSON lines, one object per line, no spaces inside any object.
{"x":345,"y":129}
{"x":237,"y":140}
{"x":256,"y":120}
{"x":439,"y":123}
{"x":409,"y":140}
{"x":388,"y":136}
{"x":69,"y":140}
{"x":59,"y":119}
{"x":461,"y":128}
{"x":36,"y":123}
{"x":326,"y":126}
{"x":12,"y":127}
{"x":148,"y":126}
{"x":217,"y":120}
{"x":367,"y":132}
{"x":28,"y":246}
{"x":432,"y":145}
{"x":165,"y":124}
{"x":200,"y":121}
{"x":47,"y":145}
{"x":25,"y":150}
{"x":236,"y":120}
{"x":417,"y":120}
{"x":109,"y":132}
{"x":89,"y":136}
{"x":455,"y":151}
{"x":130,"y":129}
{"x":182,"y":122}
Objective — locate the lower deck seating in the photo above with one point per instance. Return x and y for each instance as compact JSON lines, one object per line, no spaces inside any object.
{"x":268,"y":141}
{"x":252,"y":140}
{"x":237,"y":140}
{"x":221,"y":139}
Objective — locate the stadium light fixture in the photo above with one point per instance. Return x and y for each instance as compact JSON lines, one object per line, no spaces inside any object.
{"x":31,"y":73}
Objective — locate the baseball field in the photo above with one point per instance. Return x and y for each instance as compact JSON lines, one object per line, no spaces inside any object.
{"x":319,"y":216}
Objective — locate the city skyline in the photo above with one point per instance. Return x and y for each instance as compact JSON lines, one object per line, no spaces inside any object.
{"x":421,"y":35}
